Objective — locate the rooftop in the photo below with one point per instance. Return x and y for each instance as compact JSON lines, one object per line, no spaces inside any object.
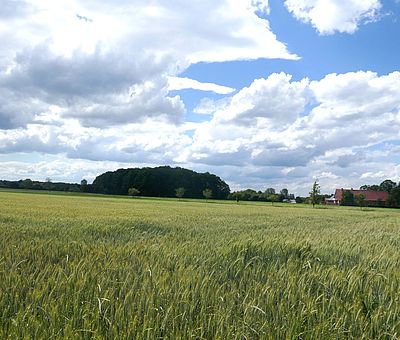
{"x":370,"y":195}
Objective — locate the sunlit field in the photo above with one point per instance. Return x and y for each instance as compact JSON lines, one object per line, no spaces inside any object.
{"x":121,"y":268}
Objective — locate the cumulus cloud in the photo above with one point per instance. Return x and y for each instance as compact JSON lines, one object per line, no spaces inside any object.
{"x":114,"y":68}
{"x":330,"y":16}
{"x":354,"y":93}
{"x":101,"y":89}
{"x":38,"y":72}
{"x":98,"y":92}
{"x":275,"y":101}
{"x":17,"y":110}
{"x":277,"y":130}
{"x":154,"y":141}
{"x":58,"y":169}
{"x":324,"y":125}
{"x":149,"y":99}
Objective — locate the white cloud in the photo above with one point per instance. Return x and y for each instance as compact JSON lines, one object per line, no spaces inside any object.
{"x":330,"y":16}
{"x":209,"y":106}
{"x":323,"y":127}
{"x":153,"y":141}
{"x":58,"y":169}
{"x":114,"y":67}
{"x":275,"y":101}
{"x":98,"y":93}
{"x":276,"y":132}
{"x":178,"y":83}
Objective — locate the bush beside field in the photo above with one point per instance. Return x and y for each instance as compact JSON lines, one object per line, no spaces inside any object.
{"x":85,"y":267}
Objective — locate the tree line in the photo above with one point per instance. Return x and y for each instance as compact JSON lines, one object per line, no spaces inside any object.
{"x":178,"y":182}
{"x":269,"y":195}
{"x":161,"y":181}
{"x":48,"y":185}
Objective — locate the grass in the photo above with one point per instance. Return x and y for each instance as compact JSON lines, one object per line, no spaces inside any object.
{"x":94,"y":268}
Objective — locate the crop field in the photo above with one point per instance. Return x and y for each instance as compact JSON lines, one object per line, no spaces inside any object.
{"x":122,"y":268}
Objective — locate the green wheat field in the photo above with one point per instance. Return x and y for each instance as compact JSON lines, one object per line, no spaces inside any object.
{"x":91,"y":267}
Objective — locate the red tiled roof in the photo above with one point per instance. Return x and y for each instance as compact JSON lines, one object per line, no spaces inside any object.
{"x":369,"y":194}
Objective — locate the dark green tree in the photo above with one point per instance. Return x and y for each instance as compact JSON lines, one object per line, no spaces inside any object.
{"x":26,"y":184}
{"x":361,"y":200}
{"x":387,"y":185}
{"x":160,"y":182}
{"x":347,"y":198}
{"x":235,"y":196}
{"x":84,"y":185}
{"x":48,"y":184}
{"x":394,"y":197}
{"x":269,"y":191}
{"x":285,"y":193}
{"x":314,"y":193}
{"x":207,"y":193}
{"x":180,"y":192}
{"x":133,"y":192}
{"x":273,"y":198}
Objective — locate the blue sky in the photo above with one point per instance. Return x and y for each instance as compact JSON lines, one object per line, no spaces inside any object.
{"x":262,"y":93}
{"x":373,"y":47}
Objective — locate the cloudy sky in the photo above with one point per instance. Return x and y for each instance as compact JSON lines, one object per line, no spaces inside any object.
{"x":262,"y":93}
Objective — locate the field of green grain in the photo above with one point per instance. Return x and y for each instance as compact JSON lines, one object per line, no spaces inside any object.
{"x":113,"y":268}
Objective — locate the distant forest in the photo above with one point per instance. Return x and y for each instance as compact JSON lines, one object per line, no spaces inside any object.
{"x":162,"y":181}
{"x":48,"y":185}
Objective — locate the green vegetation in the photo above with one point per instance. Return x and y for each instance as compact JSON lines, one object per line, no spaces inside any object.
{"x":180,"y":192}
{"x":389,"y":186}
{"x":347,"y":198}
{"x":160,"y":182}
{"x":315,"y":193}
{"x":93,"y":268}
{"x":133,"y":192}
{"x":361,"y":200}
{"x":207,"y":193}
{"x":48,"y":185}
{"x":269,"y":195}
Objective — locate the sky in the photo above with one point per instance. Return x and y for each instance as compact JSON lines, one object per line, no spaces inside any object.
{"x":276,"y":93}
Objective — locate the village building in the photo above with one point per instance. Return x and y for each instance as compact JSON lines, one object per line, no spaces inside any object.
{"x":371,"y":197}
{"x":331,"y":200}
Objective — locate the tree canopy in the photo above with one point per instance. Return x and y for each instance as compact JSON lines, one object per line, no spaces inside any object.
{"x":268,"y":195}
{"x":386,"y":185}
{"x":347,"y":198}
{"x":389,"y":186}
{"x":133,"y":192}
{"x":180,"y":192}
{"x":314,"y":193}
{"x":160,"y":182}
{"x":207,"y":193}
{"x":28,"y":184}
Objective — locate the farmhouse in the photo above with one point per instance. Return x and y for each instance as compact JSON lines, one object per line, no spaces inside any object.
{"x":371,"y":197}
{"x":331,"y":200}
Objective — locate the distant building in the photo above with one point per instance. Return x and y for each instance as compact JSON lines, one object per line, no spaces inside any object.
{"x":289,"y":201}
{"x":371,"y":197}
{"x":331,"y":200}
